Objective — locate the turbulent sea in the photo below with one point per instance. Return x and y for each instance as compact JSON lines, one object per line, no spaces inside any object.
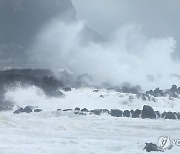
{"x":46,"y":34}
{"x":51,"y":131}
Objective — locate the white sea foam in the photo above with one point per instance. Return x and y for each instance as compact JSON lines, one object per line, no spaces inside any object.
{"x":86,"y":98}
{"x":128,"y":55}
{"x":40,"y":134}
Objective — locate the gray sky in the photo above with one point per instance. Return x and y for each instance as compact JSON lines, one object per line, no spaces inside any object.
{"x":159,"y":18}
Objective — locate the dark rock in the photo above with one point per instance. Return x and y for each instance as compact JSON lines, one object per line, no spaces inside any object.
{"x":101,"y":96}
{"x":67,"y":110}
{"x":37,"y":110}
{"x":67,"y":89}
{"x":170,"y":115}
{"x":59,"y":110}
{"x":148,"y":112}
{"x":96,"y":90}
{"x":174,"y":89}
{"x":173,"y":92}
{"x":27,"y":109}
{"x":84,"y":110}
{"x":126,"y":113}
{"x":136,"y":113}
{"x":41,"y":78}
{"x":158,"y":93}
{"x":77,"y":109}
{"x":99,"y":111}
{"x":149,"y":92}
{"x":20,"y":110}
{"x":151,"y":147}
{"x":116,"y":113}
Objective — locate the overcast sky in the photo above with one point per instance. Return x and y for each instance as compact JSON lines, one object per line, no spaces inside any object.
{"x":159,"y":18}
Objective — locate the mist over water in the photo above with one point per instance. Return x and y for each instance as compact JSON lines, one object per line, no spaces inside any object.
{"x":128,"y":55}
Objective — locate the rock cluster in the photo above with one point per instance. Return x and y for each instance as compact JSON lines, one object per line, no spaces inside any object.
{"x":27,"y":109}
{"x":146,"y":113}
{"x":173,"y":92}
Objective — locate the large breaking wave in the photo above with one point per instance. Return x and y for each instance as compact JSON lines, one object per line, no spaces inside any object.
{"x":128,"y":55}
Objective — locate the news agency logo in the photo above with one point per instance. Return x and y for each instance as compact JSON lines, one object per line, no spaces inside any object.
{"x":166,"y":143}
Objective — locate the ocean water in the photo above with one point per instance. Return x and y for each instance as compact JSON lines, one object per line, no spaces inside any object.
{"x":50,"y":132}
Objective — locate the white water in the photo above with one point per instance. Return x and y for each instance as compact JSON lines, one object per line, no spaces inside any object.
{"x":128,"y":55}
{"x":49,"y":132}
{"x":86,"y":98}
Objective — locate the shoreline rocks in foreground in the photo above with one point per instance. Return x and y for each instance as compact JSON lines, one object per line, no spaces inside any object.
{"x":146,"y":113}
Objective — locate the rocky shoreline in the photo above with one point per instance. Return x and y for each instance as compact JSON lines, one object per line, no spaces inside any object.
{"x":146,"y":113}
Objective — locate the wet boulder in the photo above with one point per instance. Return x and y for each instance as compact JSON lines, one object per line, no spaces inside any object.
{"x":151,"y":147}
{"x":173,"y":92}
{"x":77,"y":109}
{"x":116,"y":113}
{"x":84,"y":110}
{"x":27,"y":109}
{"x":136,"y":113}
{"x":96,"y":90}
{"x":174,"y":89}
{"x":126,"y":113}
{"x":148,"y":112}
{"x":170,"y":115}
{"x":156,"y":93}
